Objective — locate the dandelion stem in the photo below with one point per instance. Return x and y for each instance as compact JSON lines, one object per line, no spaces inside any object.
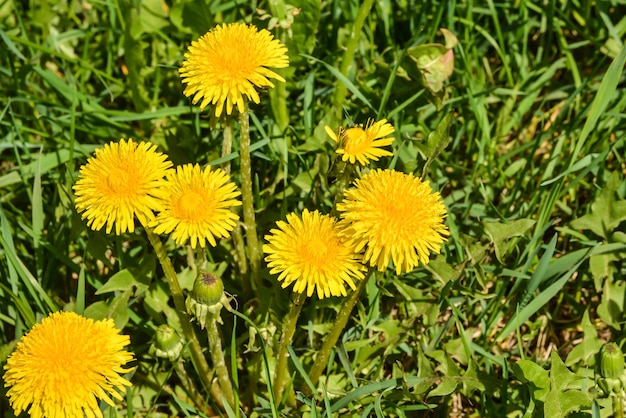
{"x":331,"y":339}
{"x":217,"y":355}
{"x":281,"y":370}
{"x":189,"y":386}
{"x":618,"y":407}
{"x":348,"y":56}
{"x":185,"y":323}
{"x":247,"y":198}
{"x":227,"y":142}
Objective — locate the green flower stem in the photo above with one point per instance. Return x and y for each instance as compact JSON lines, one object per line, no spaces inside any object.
{"x":227,"y":142}
{"x":344,"y":177}
{"x":254,"y":253}
{"x":331,"y":339}
{"x":281,"y":371}
{"x":348,"y":56}
{"x":217,"y":355}
{"x":618,"y":407}
{"x":189,"y":386}
{"x":185,"y":322}
{"x":239,"y":246}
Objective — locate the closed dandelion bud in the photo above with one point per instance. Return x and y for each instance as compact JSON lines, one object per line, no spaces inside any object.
{"x":611,"y":369}
{"x":167,"y":343}
{"x":206,"y":297}
{"x":611,"y":361}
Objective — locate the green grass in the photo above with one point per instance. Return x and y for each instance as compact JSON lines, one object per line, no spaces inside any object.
{"x":505,"y":322}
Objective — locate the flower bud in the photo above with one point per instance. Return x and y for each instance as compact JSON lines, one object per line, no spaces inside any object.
{"x":206,"y":297}
{"x":167,"y":342}
{"x":611,"y":361}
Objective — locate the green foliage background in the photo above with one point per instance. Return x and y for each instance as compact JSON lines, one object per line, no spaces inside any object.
{"x":505,"y":322}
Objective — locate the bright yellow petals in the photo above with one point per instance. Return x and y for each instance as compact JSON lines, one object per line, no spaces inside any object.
{"x":65,"y":365}
{"x":309,"y":252}
{"x":197,"y":206}
{"x":229,"y":62}
{"x":122,"y":181}
{"x":395,"y":217}
{"x":362,"y":145}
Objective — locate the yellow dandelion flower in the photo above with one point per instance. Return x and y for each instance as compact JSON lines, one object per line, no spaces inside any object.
{"x":197,"y":205}
{"x":65,"y":365}
{"x":229,"y":62}
{"x":119,"y":183}
{"x":309,"y":252}
{"x":363,"y":144}
{"x":394,"y":216}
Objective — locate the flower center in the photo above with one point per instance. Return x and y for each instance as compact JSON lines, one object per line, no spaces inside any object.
{"x":192,"y":205}
{"x":315,"y":251}
{"x":121,"y":182}
{"x":355,"y":140}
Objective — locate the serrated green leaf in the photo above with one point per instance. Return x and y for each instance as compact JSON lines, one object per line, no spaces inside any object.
{"x":122,"y":280}
{"x":611,"y":308}
{"x":445,"y":387}
{"x":585,"y":352}
{"x":560,"y":376}
{"x":126,"y":279}
{"x":116,"y":309}
{"x":437,"y":141}
{"x":606,"y":213}
{"x":302,"y":29}
{"x":500,"y":233}
{"x":560,"y":404}
{"x":535,"y":376}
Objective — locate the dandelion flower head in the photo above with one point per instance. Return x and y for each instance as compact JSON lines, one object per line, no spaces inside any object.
{"x":229,"y":62}
{"x":65,"y":365}
{"x":308,"y":250}
{"x":122,"y":181}
{"x":363,"y":144}
{"x":197,"y":206}
{"x":394,"y":217}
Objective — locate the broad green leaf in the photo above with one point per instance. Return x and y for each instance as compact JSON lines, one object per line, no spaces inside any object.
{"x":535,"y":376}
{"x":434,"y":62}
{"x":584,"y":353}
{"x":500,"y":233}
{"x":611,"y":308}
{"x":192,"y":16}
{"x":561,"y":404}
{"x":606,"y":213}
{"x":472,"y":379}
{"x":123,"y":280}
{"x":116,"y":309}
{"x":445,"y":387}
{"x":437,"y":141}
{"x":560,"y":376}
{"x":301,"y":23}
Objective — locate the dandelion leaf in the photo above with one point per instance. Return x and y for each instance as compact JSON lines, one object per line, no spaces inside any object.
{"x":611,"y":308}
{"x":585,"y":351}
{"x":535,"y":376}
{"x":606,"y":212}
{"x":501,"y":233}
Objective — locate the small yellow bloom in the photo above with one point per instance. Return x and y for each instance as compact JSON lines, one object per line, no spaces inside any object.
{"x":197,"y":206}
{"x":65,"y":365}
{"x":309,"y":252}
{"x":363,"y":145}
{"x":229,"y":62}
{"x":395,"y":217}
{"x":119,"y":183}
